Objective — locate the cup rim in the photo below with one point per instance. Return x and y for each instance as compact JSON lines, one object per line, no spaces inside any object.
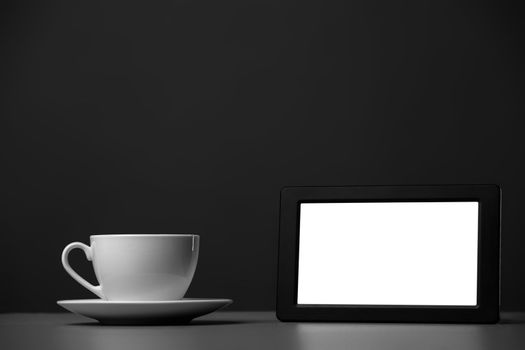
{"x":144,"y":235}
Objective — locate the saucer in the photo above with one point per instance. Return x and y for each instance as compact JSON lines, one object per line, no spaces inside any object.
{"x":143,"y":312}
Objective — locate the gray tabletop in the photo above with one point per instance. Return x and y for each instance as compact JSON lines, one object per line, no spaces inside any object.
{"x":254,"y":330}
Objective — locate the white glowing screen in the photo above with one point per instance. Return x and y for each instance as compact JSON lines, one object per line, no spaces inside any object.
{"x":395,"y":253}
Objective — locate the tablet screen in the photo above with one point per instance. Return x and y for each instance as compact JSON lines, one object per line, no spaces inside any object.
{"x":388,"y":253}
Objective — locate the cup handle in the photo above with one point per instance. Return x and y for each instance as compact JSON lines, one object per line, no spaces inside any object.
{"x":97,"y":290}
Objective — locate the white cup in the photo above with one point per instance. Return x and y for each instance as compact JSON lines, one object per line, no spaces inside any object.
{"x":139,"y":267}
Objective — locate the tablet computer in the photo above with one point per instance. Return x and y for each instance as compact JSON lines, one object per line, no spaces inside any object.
{"x":389,"y":254}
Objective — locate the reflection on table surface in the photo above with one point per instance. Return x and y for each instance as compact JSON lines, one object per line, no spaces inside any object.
{"x":254,"y":330}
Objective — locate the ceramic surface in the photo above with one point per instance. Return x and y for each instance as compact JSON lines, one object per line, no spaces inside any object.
{"x":147,"y":312}
{"x":139,"y":267}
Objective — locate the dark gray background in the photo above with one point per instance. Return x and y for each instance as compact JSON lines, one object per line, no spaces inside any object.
{"x":189,"y":116}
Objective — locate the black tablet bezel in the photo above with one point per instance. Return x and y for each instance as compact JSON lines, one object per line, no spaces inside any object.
{"x":487,"y":309}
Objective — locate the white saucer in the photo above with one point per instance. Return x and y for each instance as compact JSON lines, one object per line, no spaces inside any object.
{"x":143,"y":312}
